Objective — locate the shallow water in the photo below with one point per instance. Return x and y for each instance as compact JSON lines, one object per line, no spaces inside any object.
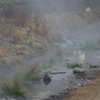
{"x":77,"y":47}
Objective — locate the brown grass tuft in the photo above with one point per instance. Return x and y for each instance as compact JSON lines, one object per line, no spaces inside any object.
{"x":18,"y":59}
{"x":10,"y":49}
{"x":11,"y":60}
{"x":24,"y":50}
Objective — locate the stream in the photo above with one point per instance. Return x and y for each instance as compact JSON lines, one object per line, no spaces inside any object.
{"x":80,"y":46}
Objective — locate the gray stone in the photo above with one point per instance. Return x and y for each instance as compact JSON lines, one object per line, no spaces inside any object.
{"x":67,"y":59}
{"x":58,"y":73}
{"x":46,"y":77}
{"x":88,"y":9}
{"x":56,"y":44}
{"x":69,"y":42}
{"x":76,"y":42}
{"x":62,"y":45}
{"x":46,"y":71}
{"x":96,"y":57}
{"x":78,"y":70}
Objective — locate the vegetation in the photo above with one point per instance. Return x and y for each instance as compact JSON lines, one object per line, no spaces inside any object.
{"x":16,"y":86}
{"x":93,"y":66}
{"x":99,"y":41}
{"x":21,"y":34}
{"x":90,"y":46}
{"x":32,"y":74}
{"x":48,"y":65}
{"x":13,"y":88}
{"x":74,"y":65}
{"x":73,"y":19}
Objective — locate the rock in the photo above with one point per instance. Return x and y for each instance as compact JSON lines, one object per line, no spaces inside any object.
{"x":78,"y":70}
{"x":46,"y":71}
{"x":64,"y":39}
{"x":10,"y":99}
{"x":62,"y":45}
{"x":96,"y":57}
{"x":2,"y":99}
{"x":55,"y":44}
{"x":68,"y":42}
{"x":88,"y":9}
{"x":76,"y":42}
{"x":46,"y":79}
{"x":58,"y":73}
{"x":67,"y":59}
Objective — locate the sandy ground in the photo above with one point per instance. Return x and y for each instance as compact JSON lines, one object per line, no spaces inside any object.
{"x":90,"y":91}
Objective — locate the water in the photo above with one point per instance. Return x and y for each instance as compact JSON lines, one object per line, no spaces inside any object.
{"x":76,"y":47}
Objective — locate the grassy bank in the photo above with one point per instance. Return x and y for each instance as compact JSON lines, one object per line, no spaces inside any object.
{"x":22,"y":34}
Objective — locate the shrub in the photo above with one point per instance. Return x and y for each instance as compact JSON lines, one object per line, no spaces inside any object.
{"x":74,"y":65}
{"x":90,"y":46}
{"x":93,"y":66}
{"x":32,"y":74}
{"x":13,"y":88}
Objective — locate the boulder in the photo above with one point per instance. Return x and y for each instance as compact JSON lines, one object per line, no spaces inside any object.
{"x":67,"y":59}
{"x":46,"y":77}
{"x":78,"y":70}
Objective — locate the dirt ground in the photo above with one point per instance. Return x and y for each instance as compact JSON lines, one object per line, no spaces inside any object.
{"x":90,"y":91}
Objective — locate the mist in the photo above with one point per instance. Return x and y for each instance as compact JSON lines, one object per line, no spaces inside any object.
{"x":49,"y":47}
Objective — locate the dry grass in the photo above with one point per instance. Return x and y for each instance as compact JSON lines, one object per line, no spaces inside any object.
{"x":12,"y":60}
{"x":38,"y":30}
{"x":35,"y":45}
{"x":10,"y":49}
{"x":72,"y":19}
{"x":25,"y":50}
{"x":16,"y":83}
{"x":13,"y":87}
{"x":2,"y":53}
{"x":90,"y":91}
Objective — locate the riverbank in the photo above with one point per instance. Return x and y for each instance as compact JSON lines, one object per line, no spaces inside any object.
{"x":89,"y":91}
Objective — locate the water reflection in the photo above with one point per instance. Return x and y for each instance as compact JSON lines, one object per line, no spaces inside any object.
{"x":79,"y":56}
{"x":46,"y":82}
{"x":46,"y":79}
